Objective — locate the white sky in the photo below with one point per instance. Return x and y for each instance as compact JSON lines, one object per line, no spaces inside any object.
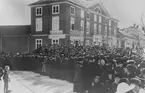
{"x":128,"y":12}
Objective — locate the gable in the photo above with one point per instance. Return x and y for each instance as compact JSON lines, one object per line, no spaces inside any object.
{"x":101,"y":7}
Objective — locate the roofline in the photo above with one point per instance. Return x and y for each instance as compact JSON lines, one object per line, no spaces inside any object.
{"x":80,"y":6}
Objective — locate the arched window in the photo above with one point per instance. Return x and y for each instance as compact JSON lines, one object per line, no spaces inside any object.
{"x":98,"y":10}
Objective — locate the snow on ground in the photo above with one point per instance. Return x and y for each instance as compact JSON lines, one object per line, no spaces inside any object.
{"x":36,"y":83}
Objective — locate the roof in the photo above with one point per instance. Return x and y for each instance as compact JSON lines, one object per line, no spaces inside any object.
{"x":45,"y":2}
{"x":83,"y":3}
{"x":15,"y":30}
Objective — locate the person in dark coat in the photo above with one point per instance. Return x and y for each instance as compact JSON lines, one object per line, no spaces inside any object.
{"x":78,"y":79}
{"x":96,"y":86}
{"x":115,"y":83}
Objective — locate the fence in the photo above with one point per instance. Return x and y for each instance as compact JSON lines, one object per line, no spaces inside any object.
{"x":52,"y":68}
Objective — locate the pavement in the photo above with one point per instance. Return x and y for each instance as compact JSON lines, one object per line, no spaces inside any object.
{"x":30,"y":82}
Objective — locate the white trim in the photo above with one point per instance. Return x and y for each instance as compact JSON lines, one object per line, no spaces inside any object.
{"x":99,"y":10}
{"x":40,"y":35}
{"x":56,"y":5}
{"x":57,"y":36}
{"x":36,"y":11}
{"x":74,"y":10}
{"x":36,"y":42}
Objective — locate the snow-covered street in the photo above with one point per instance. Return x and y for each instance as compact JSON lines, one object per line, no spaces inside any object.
{"x":29,"y":82}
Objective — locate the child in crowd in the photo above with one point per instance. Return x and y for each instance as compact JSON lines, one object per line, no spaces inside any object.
{"x":6,"y":78}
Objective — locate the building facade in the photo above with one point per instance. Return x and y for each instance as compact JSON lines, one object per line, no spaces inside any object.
{"x":69,"y":21}
{"x":132,"y":38}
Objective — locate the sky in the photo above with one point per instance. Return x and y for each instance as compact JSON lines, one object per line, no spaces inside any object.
{"x":128,"y":12}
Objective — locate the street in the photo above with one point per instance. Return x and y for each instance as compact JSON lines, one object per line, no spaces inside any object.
{"x":29,"y":82}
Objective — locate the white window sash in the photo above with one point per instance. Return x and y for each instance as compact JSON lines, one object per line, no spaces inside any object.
{"x":72,"y":23}
{"x":71,"y":9}
{"x":38,"y":24}
{"x":95,"y":18}
{"x":88,"y":15}
{"x":82,"y":25}
{"x":100,"y":19}
{"x":82,"y":13}
{"x":55,"y":23}
{"x":54,"y":8}
{"x":38,"y":43}
{"x":55,"y":39}
{"x":38,"y":8}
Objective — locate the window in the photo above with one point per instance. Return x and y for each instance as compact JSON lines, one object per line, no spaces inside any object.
{"x":88,"y":15}
{"x":82,"y":25}
{"x":95,"y":28}
{"x":105,"y":21}
{"x":100,"y":19}
{"x":55,"y":23}
{"x":72,"y":23}
{"x":38,"y":11}
{"x":109,"y":22}
{"x":55,"y":41}
{"x":95,"y":18}
{"x":105,"y":32}
{"x":82,"y":13}
{"x":109,"y":31}
{"x":38,"y":43}
{"x":88,"y":27}
{"x":72,"y":10}
{"x":55,"y":9}
{"x":100,"y":28}
{"x":98,"y":10}
{"x":115,"y":32}
{"x":38,"y":24}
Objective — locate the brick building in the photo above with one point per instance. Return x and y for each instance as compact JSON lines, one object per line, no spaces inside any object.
{"x":67,"y":21}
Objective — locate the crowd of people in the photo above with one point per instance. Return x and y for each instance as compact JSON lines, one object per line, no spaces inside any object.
{"x":98,"y":69}
{"x":93,"y":69}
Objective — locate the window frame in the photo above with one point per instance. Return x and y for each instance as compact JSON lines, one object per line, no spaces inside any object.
{"x":88,"y":27}
{"x":99,"y":29}
{"x":87,"y":16}
{"x":37,"y":43}
{"x":95,"y":17}
{"x":83,"y":25}
{"x":82,"y":13}
{"x":100,"y":19}
{"x":72,"y":7}
{"x":37,"y":29}
{"x":58,"y":22}
{"x":95,"y":28}
{"x":71,"y":24}
{"x":37,"y":9}
{"x":55,"y":41}
{"x":55,"y":7}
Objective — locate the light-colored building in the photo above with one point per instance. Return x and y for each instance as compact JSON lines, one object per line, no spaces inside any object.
{"x":132,"y":38}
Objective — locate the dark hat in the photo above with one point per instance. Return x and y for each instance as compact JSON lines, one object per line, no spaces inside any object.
{"x":131,"y":68}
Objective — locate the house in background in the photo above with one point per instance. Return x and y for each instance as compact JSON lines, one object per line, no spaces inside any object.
{"x":132,"y":38}
{"x":15,"y":39}
{"x":68,"y":21}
